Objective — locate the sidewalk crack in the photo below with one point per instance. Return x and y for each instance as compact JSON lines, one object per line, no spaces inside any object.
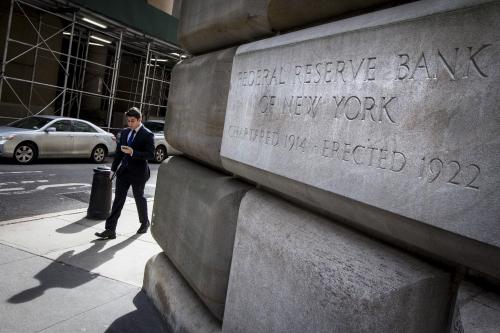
{"x":88,"y":310}
{"x":18,"y":260}
{"x":15,"y":248}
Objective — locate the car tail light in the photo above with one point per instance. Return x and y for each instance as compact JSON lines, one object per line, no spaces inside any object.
{"x":113,"y":138}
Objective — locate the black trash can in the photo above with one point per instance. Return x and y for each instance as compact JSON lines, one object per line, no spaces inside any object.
{"x":100,"y":195}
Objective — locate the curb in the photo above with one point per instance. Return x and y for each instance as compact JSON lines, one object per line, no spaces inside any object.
{"x":129,"y":201}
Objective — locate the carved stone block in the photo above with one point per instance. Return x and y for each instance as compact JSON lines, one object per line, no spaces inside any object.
{"x":197,"y":105}
{"x":293,"y":271}
{"x":194,"y":221}
{"x":477,"y":310}
{"x":387,"y":120}
{"x":175,"y":300}
{"x":211,"y":25}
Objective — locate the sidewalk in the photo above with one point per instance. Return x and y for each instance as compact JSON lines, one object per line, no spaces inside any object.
{"x":56,"y":276}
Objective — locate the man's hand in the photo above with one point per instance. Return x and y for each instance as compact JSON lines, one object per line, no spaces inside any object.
{"x":127,"y":150}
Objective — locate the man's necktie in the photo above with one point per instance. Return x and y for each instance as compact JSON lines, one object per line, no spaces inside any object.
{"x":131,"y":138}
{"x":129,"y":143}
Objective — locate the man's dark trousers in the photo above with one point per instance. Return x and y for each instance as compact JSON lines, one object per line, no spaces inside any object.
{"x":122,"y":186}
{"x":132,"y":171}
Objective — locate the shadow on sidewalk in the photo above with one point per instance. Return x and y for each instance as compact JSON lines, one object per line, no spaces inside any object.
{"x":52,"y":277}
{"x":145,"y":318}
{"x":76,"y":226}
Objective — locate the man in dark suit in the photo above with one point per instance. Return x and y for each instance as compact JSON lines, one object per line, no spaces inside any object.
{"x":134,"y":149}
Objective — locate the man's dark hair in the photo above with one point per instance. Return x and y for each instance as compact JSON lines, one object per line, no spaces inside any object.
{"x":133,"y":112}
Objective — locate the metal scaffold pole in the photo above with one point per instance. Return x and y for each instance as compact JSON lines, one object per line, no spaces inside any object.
{"x":137,"y":81}
{"x":114,"y":80}
{"x":76,"y":66}
{"x":84,"y":68}
{"x":6,"y":45}
{"x":68,"y":60}
{"x":145,"y":75}
{"x":130,"y":92}
{"x":152,"y":84}
{"x":160,"y":95}
{"x":33,"y":72}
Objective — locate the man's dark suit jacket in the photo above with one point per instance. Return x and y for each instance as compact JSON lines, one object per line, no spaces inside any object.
{"x":135,"y":168}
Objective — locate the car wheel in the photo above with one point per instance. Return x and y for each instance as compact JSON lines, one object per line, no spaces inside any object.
{"x":99,"y":153}
{"x":160,"y":154}
{"x":25,"y":153}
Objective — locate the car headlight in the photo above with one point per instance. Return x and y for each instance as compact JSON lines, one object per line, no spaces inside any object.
{"x":7,"y":137}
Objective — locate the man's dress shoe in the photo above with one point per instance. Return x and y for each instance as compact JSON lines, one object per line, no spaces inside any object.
{"x":144,"y":228}
{"x":106,"y":234}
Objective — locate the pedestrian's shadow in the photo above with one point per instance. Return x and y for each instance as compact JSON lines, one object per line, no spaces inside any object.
{"x":61,"y":273}
{"x":76,"y":226}
{"x":145,"y":318}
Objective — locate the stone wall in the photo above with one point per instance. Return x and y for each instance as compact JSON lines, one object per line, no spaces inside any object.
{"x":197,"y":105}
{"x":216,"y":24}
{"x":477,"y":309}
{"x":370,"y":131}
{"x":384,"y":126}
{"x":195,"y":223}
{"x":293,"y":271}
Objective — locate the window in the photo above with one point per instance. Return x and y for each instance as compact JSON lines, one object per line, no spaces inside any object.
{"x":62,"y":126}
{"x":30,"y":123}
{"x":154,"y":127}
{"x":79,"y":126}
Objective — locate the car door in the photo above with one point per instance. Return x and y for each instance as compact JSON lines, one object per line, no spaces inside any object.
{"x":60,"y":142}
{"x":85,"y":139}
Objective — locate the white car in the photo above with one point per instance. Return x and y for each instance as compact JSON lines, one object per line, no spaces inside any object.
{"x":34,"y":137}
{"x":162,"y":148}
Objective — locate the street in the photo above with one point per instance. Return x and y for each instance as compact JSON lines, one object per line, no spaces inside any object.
{"x":50,"y":186}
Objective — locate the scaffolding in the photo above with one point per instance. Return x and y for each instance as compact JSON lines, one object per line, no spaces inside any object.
{"x":101,"y":65}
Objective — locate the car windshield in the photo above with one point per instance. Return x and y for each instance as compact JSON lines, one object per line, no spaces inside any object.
{"x":30,"y":123}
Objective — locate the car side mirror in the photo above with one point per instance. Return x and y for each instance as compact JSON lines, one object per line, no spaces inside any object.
{"x":50,"y":129}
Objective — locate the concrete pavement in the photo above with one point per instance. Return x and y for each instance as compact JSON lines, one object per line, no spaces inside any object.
{"x":56,"y":276}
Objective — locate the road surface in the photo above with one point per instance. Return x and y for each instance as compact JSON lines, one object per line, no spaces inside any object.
{"x":50,"y":186}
